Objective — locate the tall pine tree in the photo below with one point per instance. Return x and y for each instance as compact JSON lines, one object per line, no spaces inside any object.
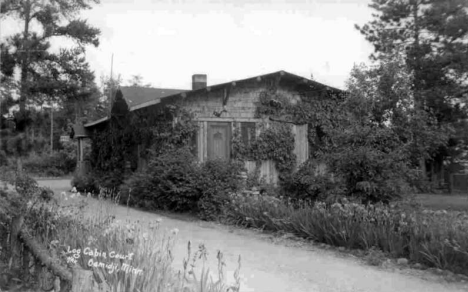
{"x":61,"y":77}
{"x":433,"y":36}
{"x":44,"y":74}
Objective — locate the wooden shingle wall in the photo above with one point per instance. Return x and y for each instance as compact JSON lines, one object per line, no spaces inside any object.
{"x":240,"y":106}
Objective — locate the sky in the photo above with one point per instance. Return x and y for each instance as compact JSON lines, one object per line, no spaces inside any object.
{"x":167,"y":41}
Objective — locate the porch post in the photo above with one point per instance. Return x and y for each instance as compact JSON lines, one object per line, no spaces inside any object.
{"x":80,"y":135}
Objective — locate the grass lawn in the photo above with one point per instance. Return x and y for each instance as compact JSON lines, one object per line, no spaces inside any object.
{"x":457,"y":202}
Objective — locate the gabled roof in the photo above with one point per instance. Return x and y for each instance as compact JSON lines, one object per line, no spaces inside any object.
{"x":313,"y":85}
{"x":137,"y":95}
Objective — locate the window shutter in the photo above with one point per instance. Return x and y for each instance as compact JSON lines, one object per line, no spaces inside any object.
{"x":194,"y":143}
{"x":247,"y":133}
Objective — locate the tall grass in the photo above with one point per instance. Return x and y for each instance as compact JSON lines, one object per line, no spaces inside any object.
{"x":151,"y":247}
{"x":436,"y":239}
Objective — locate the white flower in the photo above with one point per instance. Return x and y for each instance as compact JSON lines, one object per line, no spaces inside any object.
{"x":89,"y":194}
{"x":153,"y":225}
{"x":158,"y":220}
{"x":73,"y":190}
{"x":78,"y":194}
{"x":91,"y":239}
{"x":63,"y":194}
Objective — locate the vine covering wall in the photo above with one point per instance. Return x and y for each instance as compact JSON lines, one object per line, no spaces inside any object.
{"x":279,"y":111}
{"x":115,"y":148}
{"x":275,"y":142}
{"x":319,"y":109}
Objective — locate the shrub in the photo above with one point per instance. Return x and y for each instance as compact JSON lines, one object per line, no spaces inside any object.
{"x":138,"y":191}
{"x":69,"y":150}
{"x":218,"y":179}
{"x":175,"y":181}
{"x":253,"y":179}
{"x":3,"y":158}
{"x":308,"y":183}
{"x":85,"y":183}
{"x":111,"y":179}
{"x":255,"y":182}
{"x":371,"y":163}
{"x":10,"y":203}
{"x":269,"y":189}
{"x":171,"y":182}
{"x":7,"y":174}
{"x":57,"y":164}
{"x":26,"y":189}
{"x":25,"y":185}
{"x":17,"y":144}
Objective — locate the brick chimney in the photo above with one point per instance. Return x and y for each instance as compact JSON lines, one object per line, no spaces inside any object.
{"x":198,"y":81}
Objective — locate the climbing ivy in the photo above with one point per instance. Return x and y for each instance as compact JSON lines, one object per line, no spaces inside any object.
{"x":319,"y":110}
{"x":275,"y":143}
{"x":165,"y":128}
{"x":155,"y":129}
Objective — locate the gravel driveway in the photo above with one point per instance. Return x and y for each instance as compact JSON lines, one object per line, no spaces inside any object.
{"x":269,"y":266}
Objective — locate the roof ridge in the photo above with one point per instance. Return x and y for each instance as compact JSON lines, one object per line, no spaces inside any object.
{"x":146,"y":87}
{"x":163,"y":98}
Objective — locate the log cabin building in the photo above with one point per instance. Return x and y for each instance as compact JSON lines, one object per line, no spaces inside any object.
{"x":218,"y":109}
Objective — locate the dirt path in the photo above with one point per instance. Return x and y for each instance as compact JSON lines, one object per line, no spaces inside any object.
{"x":283,"y":266}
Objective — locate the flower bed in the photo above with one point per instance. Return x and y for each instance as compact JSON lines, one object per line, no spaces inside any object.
{"x":436,"y":239}
{"x":123,"y":256}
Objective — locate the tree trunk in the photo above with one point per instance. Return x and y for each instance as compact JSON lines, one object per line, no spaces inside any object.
{"x":422,"y":167}
{"x":25,"y":58}
{"x":450,"y":184}
{"x":434,"y":170}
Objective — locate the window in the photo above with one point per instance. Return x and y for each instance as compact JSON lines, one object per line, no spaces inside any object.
{"x":247,"y":133}
{"x":194,"y":143}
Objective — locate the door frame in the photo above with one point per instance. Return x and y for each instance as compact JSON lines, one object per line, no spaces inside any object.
{"x":209,"y":140}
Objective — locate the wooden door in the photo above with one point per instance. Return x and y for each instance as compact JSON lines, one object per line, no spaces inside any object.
{"x":219,"y":140}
